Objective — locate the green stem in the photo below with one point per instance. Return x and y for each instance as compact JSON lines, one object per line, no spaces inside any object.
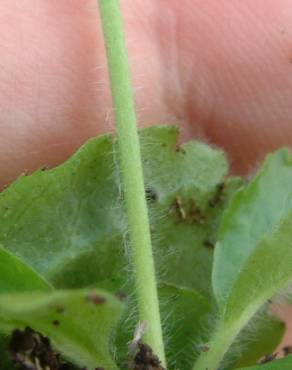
{"x":223,"y":337}
{"x":132,"y":174}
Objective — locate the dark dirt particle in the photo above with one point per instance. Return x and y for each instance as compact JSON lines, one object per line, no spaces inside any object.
{"x":95,"y":298}
{"x":195,"y":213}
{"x":218,"y":196}
{"x":60,"y":309}
{"x":67,"y":366}
{"x":56,"y":322}
{"x":121,"y":296}
{"x":145,"y":359}
{"x":209,"y":244}
{"x":187,"y":211}
{"x":287,"y":350}
{"x":179,"y":149}
{"x":205,"y":348}
{"x":32,"y":351}
{"x":151,"y":195}
{"x":267,"y":358}
{"x":22,"y":340}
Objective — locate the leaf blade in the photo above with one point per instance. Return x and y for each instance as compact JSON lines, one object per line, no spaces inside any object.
{"x":255,"y":211}
{"x":253,"y":257}
{"x":16,"y":276}
{"x":78,"y":322}
{"x":73,"y":231}
{"x":58,"y":220}
{"x":266,"y":338}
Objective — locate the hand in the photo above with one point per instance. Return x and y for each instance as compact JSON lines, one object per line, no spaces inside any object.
{"x":221,"y":69}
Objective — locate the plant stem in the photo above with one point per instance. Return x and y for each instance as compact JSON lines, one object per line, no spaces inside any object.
{"x":132,"y":174}
{"x":218,"y":347}
{"x":223,"y":337}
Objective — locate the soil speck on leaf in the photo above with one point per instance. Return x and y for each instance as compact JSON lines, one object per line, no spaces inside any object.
{"x":60,"y":309}
{"x":121,"y":296}
{"x":179,"y":149}
{"x":218,"y":196}
{"x":267,"y":358}
{"x":187,"y":211}
{"x":151,"y":195}
{"x":209,"y":244}
{"x":205,"y":348}
{"x":56,"y":322}
{"x":195,"y":213}
{"x":95,"y":298}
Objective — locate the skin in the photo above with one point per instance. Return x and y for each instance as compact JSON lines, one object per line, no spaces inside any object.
{"x":222,"y":70}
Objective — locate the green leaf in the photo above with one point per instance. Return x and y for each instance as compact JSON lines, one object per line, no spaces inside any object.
{"x":69,"y":223}
{"x":260,"y":337}
{"x":190,"y":173}
{"x":267,"y":333}
{"x":16,"y":276}
{"x":253,"y":257}
{"x":259,"y":220}
{"x":282,"y":364}
{"x":186,"y":315}
{"x":251,"y":226}
{"x":70,"y":220}
{"x":79,"y":323}
{"x":264,"y":266}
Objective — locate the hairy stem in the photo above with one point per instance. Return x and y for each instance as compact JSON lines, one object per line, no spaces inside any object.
{"x":224,"y":336}
{"x":132,"y":174}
